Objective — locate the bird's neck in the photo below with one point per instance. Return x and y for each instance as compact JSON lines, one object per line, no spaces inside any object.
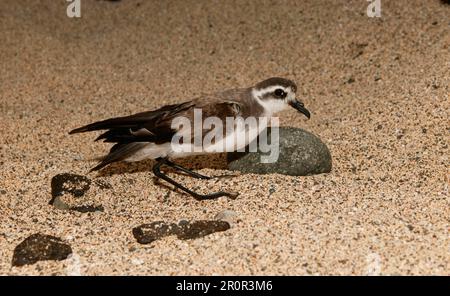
{"x":270,"y":106}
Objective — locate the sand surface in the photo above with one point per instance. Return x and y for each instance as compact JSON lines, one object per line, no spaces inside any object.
{"x":378,"y":90}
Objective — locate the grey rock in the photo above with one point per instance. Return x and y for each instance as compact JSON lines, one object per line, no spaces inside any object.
{"x":301,"y":154}
{"x":229,"y":216}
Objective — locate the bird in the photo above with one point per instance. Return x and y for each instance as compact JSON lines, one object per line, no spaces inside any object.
{"x":149,"y":134}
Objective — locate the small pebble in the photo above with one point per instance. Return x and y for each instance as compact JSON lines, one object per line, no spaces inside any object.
{"x":228,"y":216}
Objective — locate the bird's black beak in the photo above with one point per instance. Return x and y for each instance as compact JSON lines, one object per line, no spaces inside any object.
{"x":300,"y":107}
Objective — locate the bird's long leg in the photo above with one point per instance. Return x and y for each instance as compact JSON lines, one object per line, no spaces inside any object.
{"x":187,"y":171}
{"x":156,"y":170}
{"x":194,"y":174}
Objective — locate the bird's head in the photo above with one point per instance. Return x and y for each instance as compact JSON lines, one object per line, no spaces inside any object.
{"x":276,"y":94}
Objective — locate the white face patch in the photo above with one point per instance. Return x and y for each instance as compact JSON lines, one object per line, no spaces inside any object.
{"x":272,"y":106}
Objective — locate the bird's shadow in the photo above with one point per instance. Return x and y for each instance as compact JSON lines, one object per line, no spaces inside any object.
{"x":213,"y":161}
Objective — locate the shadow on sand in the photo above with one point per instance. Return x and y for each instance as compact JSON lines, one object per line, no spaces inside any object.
{"x":214,"y":161}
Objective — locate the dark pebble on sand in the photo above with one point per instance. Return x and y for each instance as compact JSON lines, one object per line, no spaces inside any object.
{"x":38,"y":247}
{"x":148,"y":233}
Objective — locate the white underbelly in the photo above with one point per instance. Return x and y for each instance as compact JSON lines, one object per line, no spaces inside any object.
{"x":235,"y":141}
{"x":150,"y":151}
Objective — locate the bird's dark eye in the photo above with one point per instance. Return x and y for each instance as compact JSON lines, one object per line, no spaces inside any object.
{"x":280,"y":93}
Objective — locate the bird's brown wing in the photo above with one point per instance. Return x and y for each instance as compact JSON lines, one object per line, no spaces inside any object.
{"x":215,"y":107}
{"x":222,"y":109}
{"x":131,"y":133}
{"x":150,"y":126}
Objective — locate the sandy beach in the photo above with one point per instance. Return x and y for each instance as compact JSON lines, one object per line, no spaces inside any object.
{"x":377,"y":88}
